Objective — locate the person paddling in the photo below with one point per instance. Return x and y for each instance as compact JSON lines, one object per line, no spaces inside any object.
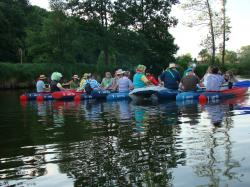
{"x":73,"y":83}
{"x":124,"y":84}
{"x":214,"y":81}
{"x":139,"y":79}
{"x":190,"y":81}
{"x":55,"y":84}
{"x":171,"y":77}
{"x":40,"y":84}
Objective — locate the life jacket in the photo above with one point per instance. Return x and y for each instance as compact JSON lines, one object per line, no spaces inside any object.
{"x":53,"y":86}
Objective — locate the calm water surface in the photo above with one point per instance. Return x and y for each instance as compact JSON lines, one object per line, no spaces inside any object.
{"x":123,"y":144}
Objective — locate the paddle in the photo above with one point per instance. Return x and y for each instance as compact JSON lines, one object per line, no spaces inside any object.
{"x":242,"y":83}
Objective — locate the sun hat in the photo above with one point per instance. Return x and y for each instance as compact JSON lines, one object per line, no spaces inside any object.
{"x":119,"y":72}
{"x":172,"y":65}
{"x":75,"y":77}
{"x":56,"y":76}
{"x":42,"y":77}
{"x":85,"y":75}
{"x":141,"y":68}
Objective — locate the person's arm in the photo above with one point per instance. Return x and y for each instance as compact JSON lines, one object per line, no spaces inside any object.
{"x":145,"y":80}
{"x":60,"y":87}
{"x":102,"y":83}
{"x":131,"y":87}
{"x":47,"y":88}
{"x":67,"y":83}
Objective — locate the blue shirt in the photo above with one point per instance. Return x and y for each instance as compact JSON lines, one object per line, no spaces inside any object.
{"x":124,"y":84}
{"x":40,"y":86}
{"x":171,"y":79}
{"x":93,"y":83}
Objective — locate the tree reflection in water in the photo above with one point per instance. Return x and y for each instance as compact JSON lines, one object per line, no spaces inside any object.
{"x":125,"y":144}
{"x":120,"y":154}
{"x":217,"y":168}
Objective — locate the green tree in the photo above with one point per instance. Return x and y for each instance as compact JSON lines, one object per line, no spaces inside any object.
{"x":245,"y":55}
{"x":230,"y":57}
{"x":184,"y":60}
{"x":203,"y":14}
{"x":205,"y":57}
{"x":12,"y":33}
{"x":151,"y":19}
{"x":36,"y":45}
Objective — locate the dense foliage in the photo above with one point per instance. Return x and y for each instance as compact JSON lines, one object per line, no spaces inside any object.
{"x":130,"y":32}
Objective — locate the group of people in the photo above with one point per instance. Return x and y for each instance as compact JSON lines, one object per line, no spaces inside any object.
{"x":169,"y":78}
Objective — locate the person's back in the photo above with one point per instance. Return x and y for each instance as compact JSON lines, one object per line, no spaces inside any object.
{"x":93,"y":83}
{"x":124,"y":84}
{"x":189,"y":82}
{"x":54,"y":86}
{"x":137,"y":82}
{"x":40,"y":86}
{"x":171,"y":77}
{"x":214,"y":80}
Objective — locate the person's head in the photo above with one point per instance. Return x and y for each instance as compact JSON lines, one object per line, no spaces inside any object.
{"x":215,"y":70}
{"x":56,"y":76}
{"x":230,"y":73}
{"x":172,"y":66}
{"x":148,"y":72}
{"x":126,"y":73}
{"x":42,"y":77}
{"x":84,"y":76}
{"x":75,"y":77}
{"x":140,"y":68}
{"x":108,"y":75}
{"x":89,"y":76}
{"x":209,"y":69}
{"x":192,"y":65}
{"x":119,"y":72}
{"x":190,"y":71}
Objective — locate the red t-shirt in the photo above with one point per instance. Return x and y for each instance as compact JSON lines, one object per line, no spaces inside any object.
{"x":152,"y":79}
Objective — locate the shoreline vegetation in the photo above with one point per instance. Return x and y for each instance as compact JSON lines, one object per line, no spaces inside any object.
{"x":76,"y":37}
{"x":20,"y":76}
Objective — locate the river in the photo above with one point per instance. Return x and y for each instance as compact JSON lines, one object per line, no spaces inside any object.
{"x":97,"y":143}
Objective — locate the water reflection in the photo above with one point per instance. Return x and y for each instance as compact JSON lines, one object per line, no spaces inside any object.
{"x":122,"y":144}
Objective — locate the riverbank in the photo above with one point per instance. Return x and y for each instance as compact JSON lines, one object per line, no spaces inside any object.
{"x":25,"y":75}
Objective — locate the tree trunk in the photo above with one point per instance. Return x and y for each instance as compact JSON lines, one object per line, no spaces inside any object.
{"x":211,"y":30}
{"x":224,"y":32}
{"x":142,"y":14}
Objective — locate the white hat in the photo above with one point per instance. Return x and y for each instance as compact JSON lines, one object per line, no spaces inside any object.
{"x":172,"y":65}
{"x":119,"y":72}
{"x":42,"y":77}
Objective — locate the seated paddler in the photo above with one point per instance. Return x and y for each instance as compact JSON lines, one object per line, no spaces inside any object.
{"x":171,"y":77}
{"x":55,"y":84}
{"x":139,"y":79}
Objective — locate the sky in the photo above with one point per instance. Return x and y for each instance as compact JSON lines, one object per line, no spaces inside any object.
{"x":188,"y":39}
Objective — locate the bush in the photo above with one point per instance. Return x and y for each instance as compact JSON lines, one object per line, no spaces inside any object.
{"x":16,"y":75}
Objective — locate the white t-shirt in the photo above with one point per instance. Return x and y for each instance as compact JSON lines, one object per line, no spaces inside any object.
{"x":213,"y":82}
